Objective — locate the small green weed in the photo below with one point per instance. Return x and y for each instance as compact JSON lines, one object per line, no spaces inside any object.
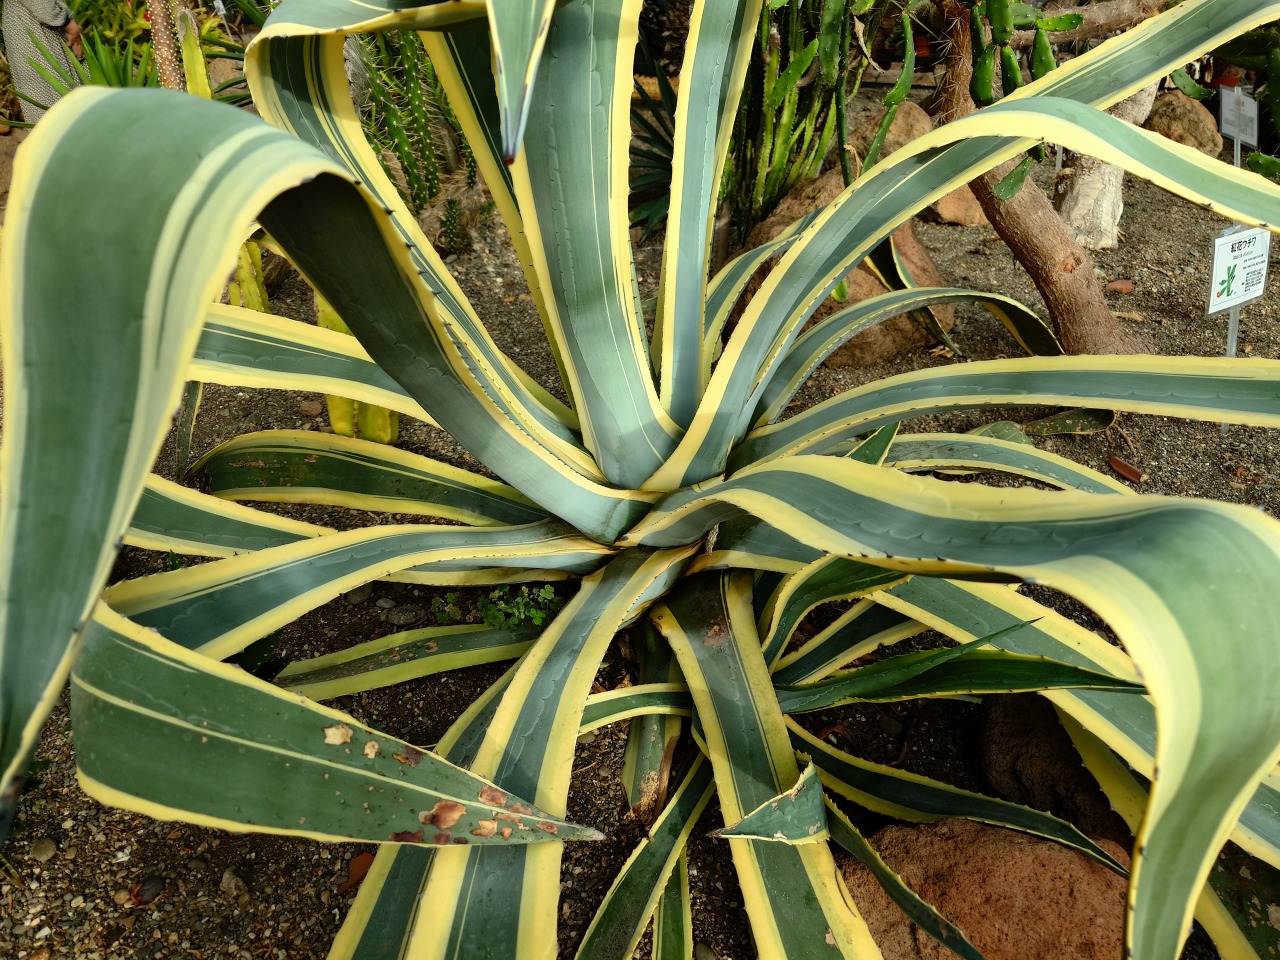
{"x":502,"y":608}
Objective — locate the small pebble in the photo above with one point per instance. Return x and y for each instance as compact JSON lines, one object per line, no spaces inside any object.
{"x":310,"y":408}
{"x":121,"y":897}
{"x":148,"y":889}
{"x":405,"y":614}
{"x":1120,"y":286}
{"x":195,"y":863}
{"x":70,"y":853}
{"x":233,"y":886}
{"x":384,"y":603}
{"x":359,"y":595}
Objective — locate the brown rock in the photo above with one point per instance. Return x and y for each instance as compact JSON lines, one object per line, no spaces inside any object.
{"x":1013,"y":896}
{"x":910,"y":122}
{"x":1121,"y":285}
{"x":959,"y":206}
{"x":1028,"y":758}
{"x":890,"y":337}
{"x":1186,"y":121}
{"x":310,"y":408}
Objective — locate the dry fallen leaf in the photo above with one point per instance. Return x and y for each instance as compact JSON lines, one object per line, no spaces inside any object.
{"x":357,"y":867}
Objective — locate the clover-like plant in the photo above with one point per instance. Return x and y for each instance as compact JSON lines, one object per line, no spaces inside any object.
{"x":671,"y":483}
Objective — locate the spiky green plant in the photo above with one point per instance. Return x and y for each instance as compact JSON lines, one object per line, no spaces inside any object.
{"x":669,"y":484}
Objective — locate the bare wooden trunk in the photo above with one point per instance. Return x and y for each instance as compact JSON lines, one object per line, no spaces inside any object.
{"x":1088,"y":194}
{"x":1059,"y":267}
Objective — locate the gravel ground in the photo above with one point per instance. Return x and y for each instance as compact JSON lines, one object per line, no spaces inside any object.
{"x":84,"y":881}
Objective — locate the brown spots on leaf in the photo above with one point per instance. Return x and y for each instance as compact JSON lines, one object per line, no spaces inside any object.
{"x":431,"y":646}
{"x":487,"y":828}
{"x":407,"y":837}
{"x":520,"y":808}
{"x":337,"y":734}
{"x":506,"y":833}
{"x":461,"y":840}
{"x":409,"y":757}
{"x":371,"y":749}
{"x":717,"y":634}
{"x":442,"y":839}
{"x":444,"y":815}
{"x":493,"y":797}
{"x":546,"y":827}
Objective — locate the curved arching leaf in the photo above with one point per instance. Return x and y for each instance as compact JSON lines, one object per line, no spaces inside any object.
{"x":1127,"y":557}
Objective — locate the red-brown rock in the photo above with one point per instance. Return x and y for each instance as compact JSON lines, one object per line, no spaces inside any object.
{"x":1015,"y":897}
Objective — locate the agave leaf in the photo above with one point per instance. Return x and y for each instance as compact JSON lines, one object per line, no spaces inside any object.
{"x":119,"y":380}
{"x":304,"y":466}
{"x":965,"y":611}
{"x":909,"y":796}
{"x":794,"y":900}
{"x":652,"y":737}
{"x":860,"y":630}
{"x":956,"y":671}
{"x":718,"y":51}
{"x":240,"y":347}
{"x":570,"y":182}
{"x":672,"y":919}
{"x":244,"y":348}
{"x":221,"y":607}
{"x":407,"y":655}
{"x":524,"y":738}
{"x":462,"y":58}
{"x":1204,"y":388}
{"x":939,"y":451}
{"x":620,"y":921}
{"x":1125,"y":556}
{"x":826,"y":336}
{"x":519,"y":30}
{"x":831,"y":578}
{"x":450,"y":359}
{"x":209,"y":757}
{"x":178,"y":519}
{"x":797,"y":816}
{"x":668,"y":699}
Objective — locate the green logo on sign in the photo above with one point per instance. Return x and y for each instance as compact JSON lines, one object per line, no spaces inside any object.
{"x":1227,"y":282}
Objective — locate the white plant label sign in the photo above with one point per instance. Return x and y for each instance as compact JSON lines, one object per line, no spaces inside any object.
{"x":1238,"y":116}
{"x":1239,"y":268}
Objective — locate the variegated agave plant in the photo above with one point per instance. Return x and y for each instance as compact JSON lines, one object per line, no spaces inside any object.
{"x":667,"y":483}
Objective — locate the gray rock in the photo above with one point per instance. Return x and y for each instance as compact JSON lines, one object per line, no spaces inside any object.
{"x":42,"y":849}
{"x":359,"y":595}
{"x":405,"y":614}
